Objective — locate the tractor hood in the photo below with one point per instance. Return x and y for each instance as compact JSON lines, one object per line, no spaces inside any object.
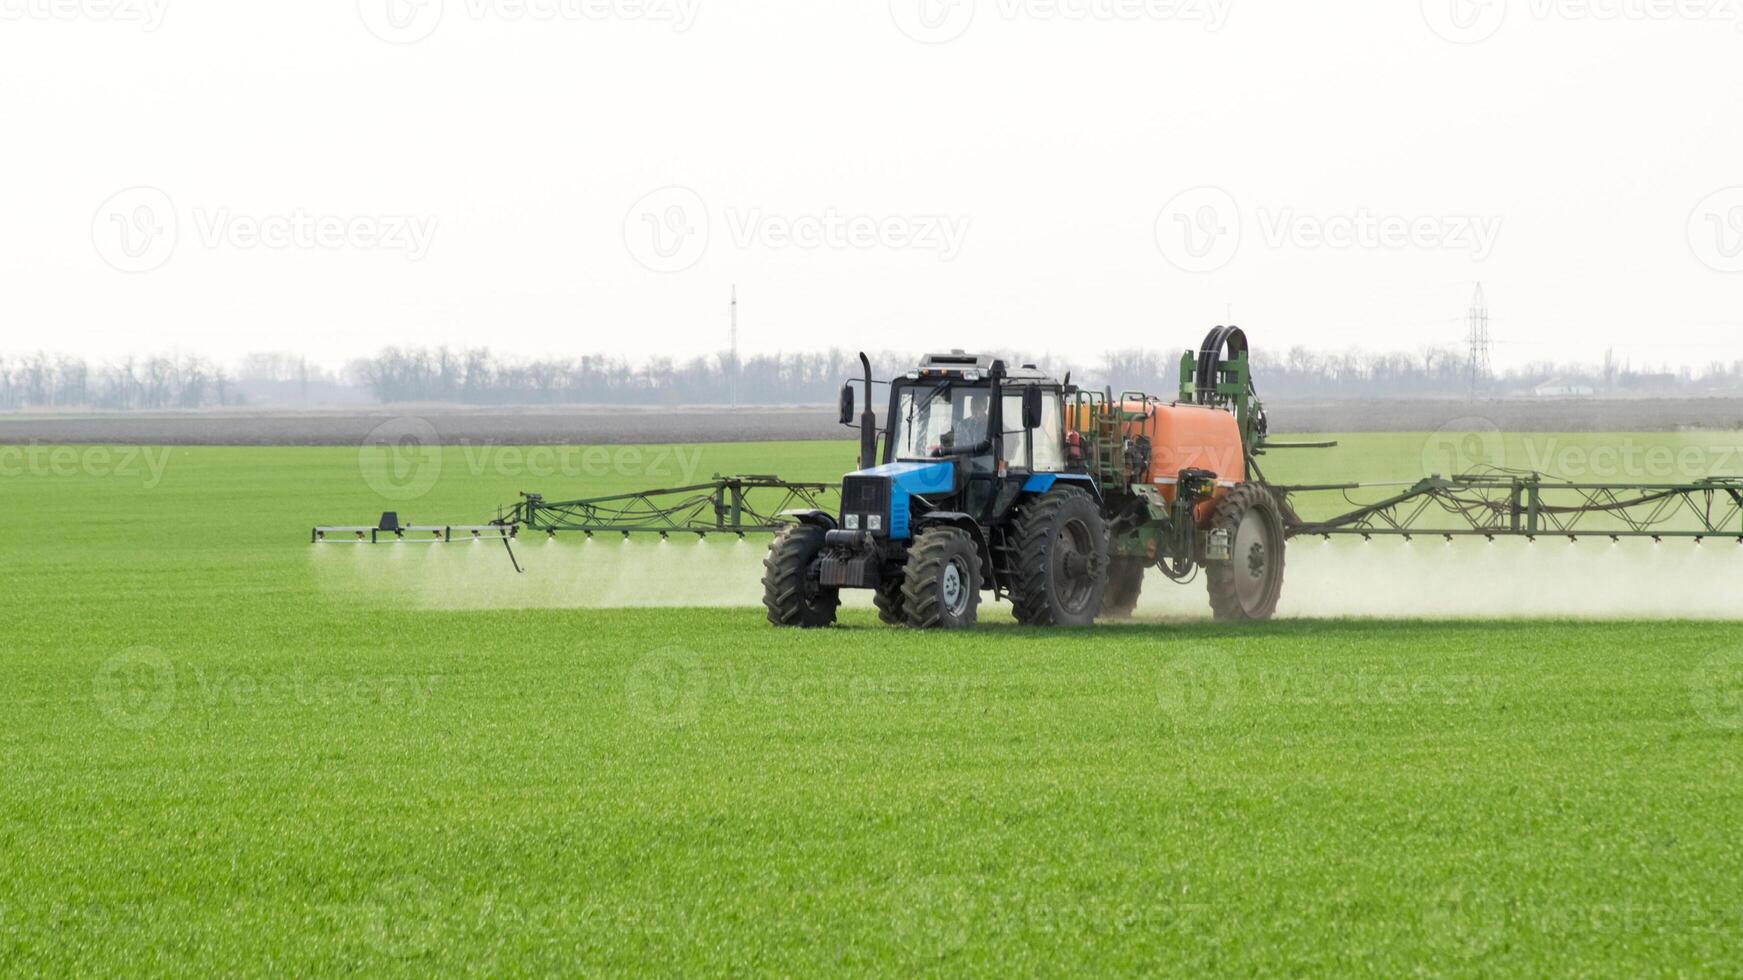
{"x":916,"y":476}
{"x":878,"y":499}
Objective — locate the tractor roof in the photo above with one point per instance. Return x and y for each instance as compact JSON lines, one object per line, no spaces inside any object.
{"x":958,"y":361}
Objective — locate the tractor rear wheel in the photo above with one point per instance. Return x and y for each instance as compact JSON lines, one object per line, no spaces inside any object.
{"x":1125,"y":584}
{"x":941,"y":584}
{"x":790,"y":593}
{"x":1248,"y":586}
{"x":1061,"y":560}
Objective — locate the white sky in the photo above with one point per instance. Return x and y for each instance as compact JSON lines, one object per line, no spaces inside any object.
{"x":532,"y":132}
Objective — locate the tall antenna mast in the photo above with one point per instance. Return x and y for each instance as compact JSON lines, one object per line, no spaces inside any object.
{"x":732,"y":367}
{"x":1480,"y":368}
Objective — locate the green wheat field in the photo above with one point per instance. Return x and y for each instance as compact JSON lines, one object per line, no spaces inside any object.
{"x":227,"y":752}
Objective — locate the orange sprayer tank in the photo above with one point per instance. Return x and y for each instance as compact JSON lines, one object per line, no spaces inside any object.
{"x":1182,"y":437}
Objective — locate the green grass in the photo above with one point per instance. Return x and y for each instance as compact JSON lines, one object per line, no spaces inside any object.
{"x":211,"y":764}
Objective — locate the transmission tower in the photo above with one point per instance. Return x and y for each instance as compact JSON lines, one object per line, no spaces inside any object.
{"x":1480,"y":369}
{"x":732,"y":366}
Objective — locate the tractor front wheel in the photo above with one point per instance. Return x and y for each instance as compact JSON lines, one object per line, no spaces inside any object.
{"x":941,"y":584}
{"x":1062,"y":560}
{"x":790,"y":593}
{"x":1248,"y":586}
{"x":889,"y":602}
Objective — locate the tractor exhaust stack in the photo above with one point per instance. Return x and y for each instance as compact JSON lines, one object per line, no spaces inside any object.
{"x":868,"y":421}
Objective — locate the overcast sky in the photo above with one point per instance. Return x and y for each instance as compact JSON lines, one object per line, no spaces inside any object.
{"x":549,"y":177}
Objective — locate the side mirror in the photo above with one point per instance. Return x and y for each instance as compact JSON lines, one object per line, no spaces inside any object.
{"x":847,"y":404}
{"x":1032,"y":407}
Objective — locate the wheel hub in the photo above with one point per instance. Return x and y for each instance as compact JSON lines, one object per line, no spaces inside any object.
{"x":1256,"y":560}
{"x":1074,"y":564}
{"x":1253,"y":544}
{"x":953,"y":588}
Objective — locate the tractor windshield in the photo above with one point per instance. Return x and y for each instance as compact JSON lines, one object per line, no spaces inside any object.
{"x":936,"y":420}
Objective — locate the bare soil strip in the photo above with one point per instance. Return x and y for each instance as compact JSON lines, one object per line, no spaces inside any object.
{"x":596,"y":425}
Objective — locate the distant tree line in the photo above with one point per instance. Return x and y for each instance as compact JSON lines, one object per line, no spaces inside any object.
{"x":58,"y":381}
{"x":479,"y":377}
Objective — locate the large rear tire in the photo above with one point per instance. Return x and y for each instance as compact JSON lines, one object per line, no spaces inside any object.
{"x":1248,"y":587}
{"x":1062,"y":560}
{"x":790,"y":593}
{"x":1125,"y":584}
{"x":941,"y":584}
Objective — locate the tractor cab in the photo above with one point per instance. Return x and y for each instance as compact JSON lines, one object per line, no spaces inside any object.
{"x":973,"y":410}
